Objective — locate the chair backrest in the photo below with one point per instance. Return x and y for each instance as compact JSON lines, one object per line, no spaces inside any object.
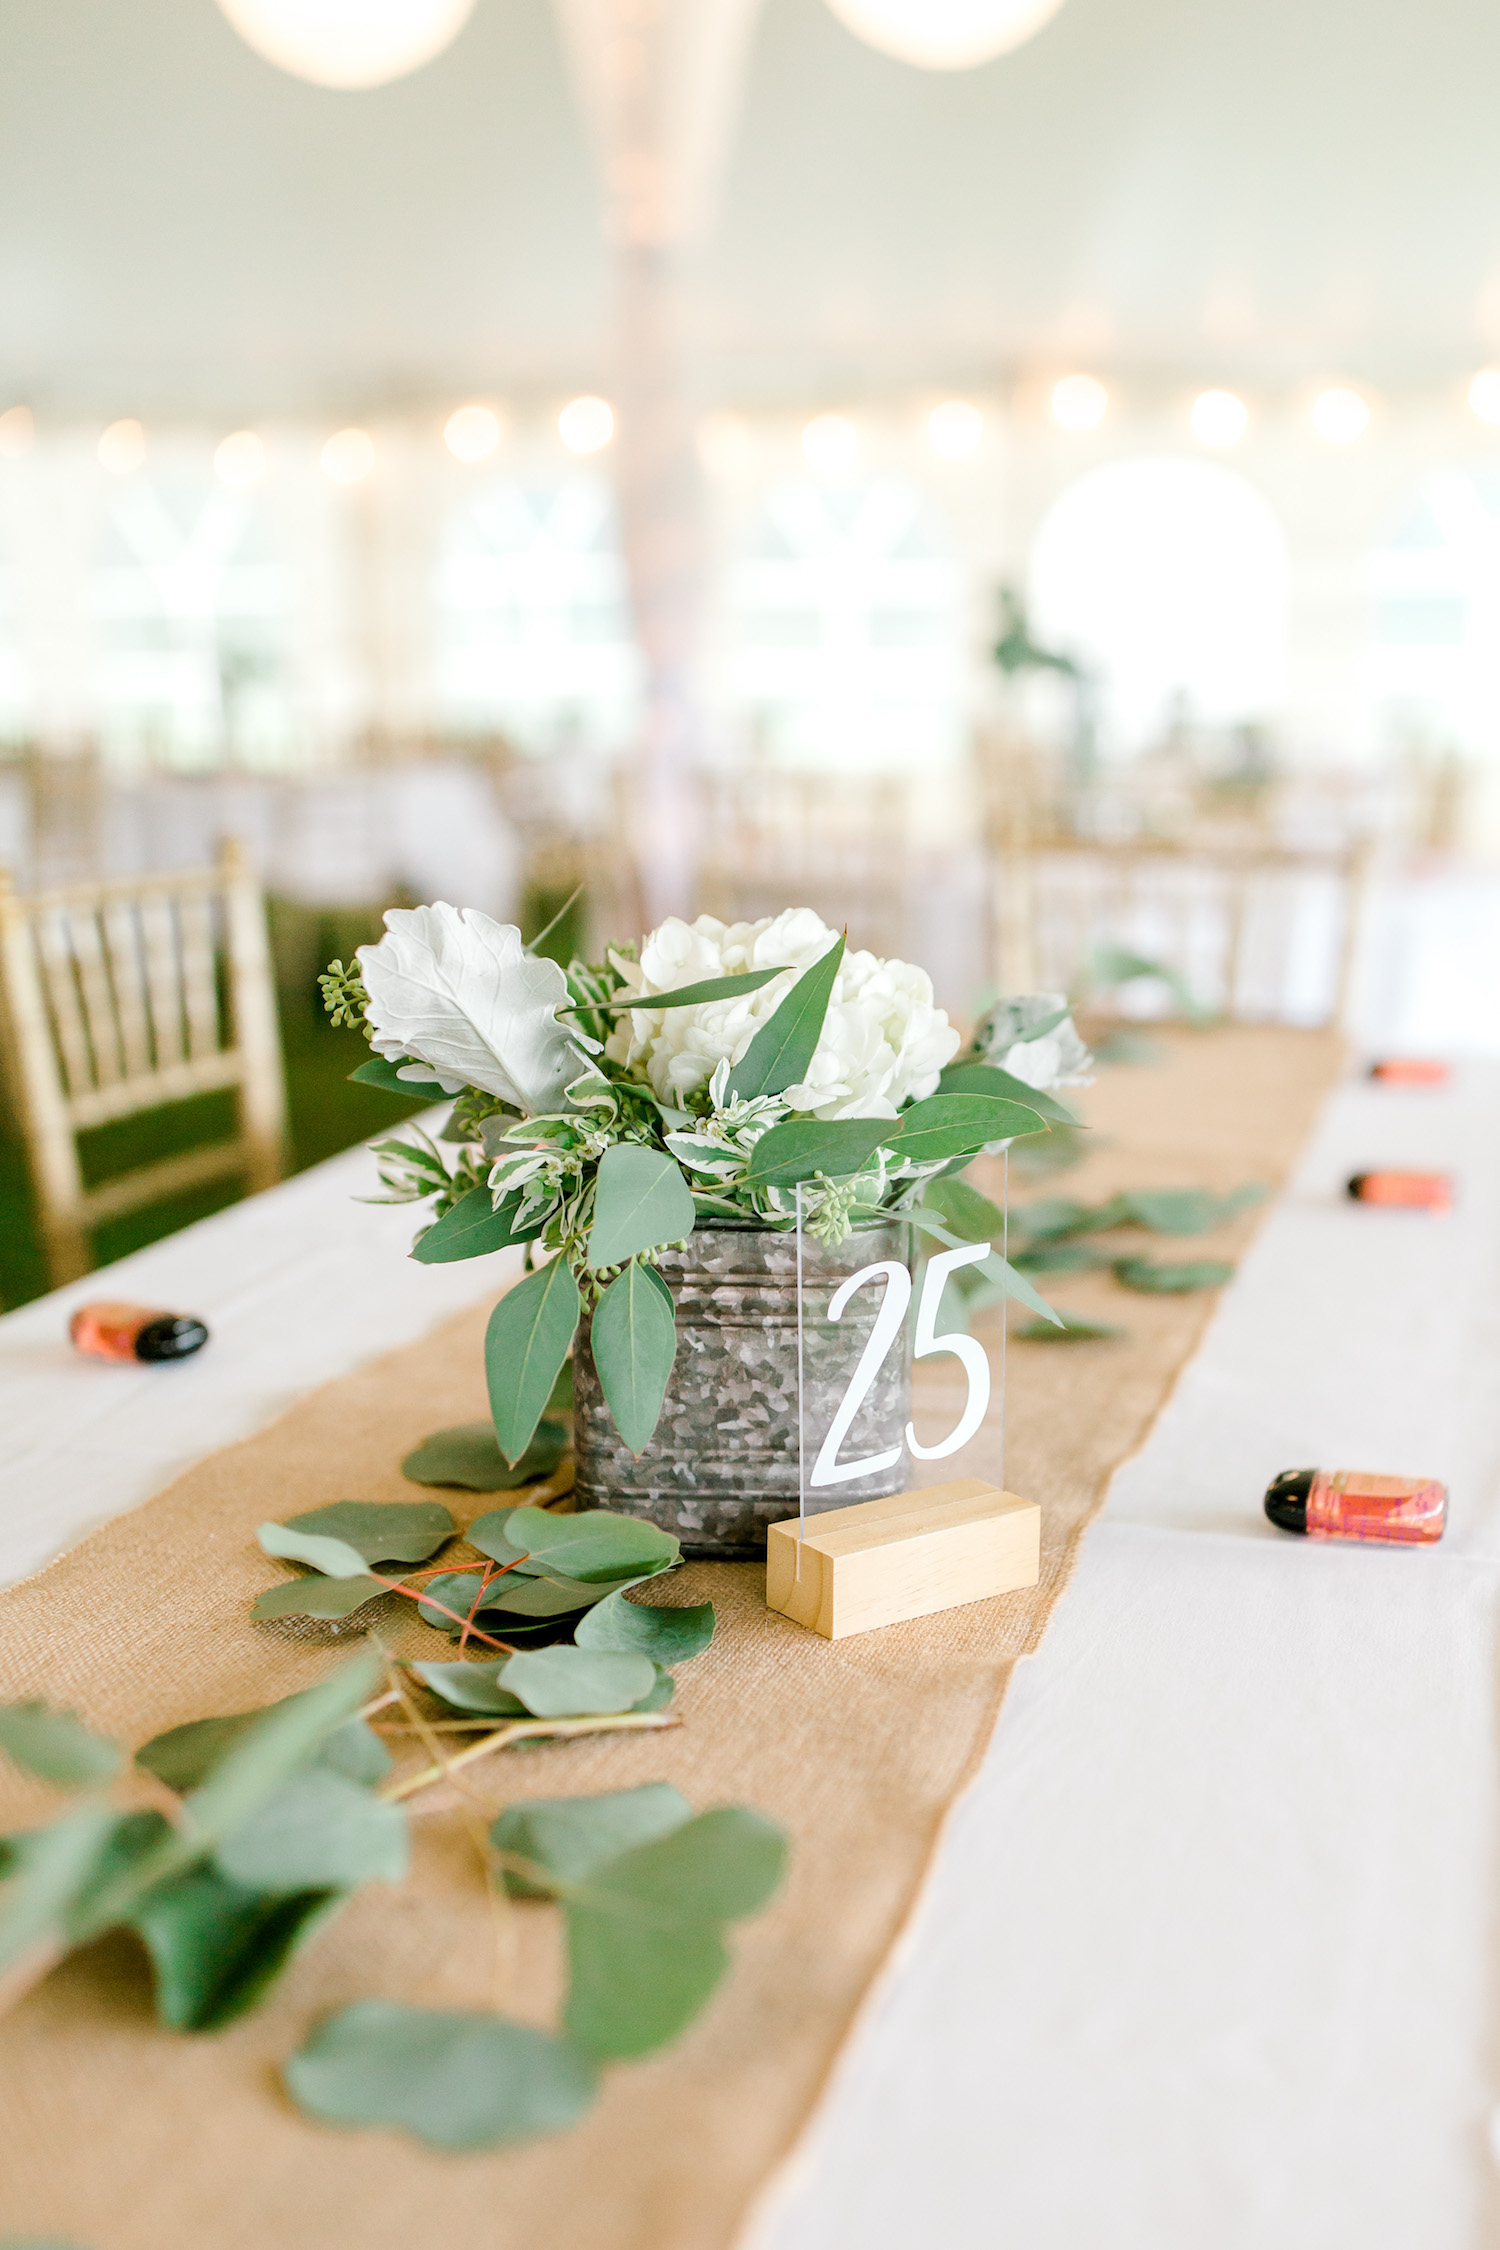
{"x":122,"y":997}
{"x":772,"y":839}
{"x":1258,"y":936}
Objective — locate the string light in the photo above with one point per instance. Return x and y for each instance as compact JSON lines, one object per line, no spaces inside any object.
{"x":1219,"y":418}
{"x":1484,"y":394}
{"x":830,"y":444}
{"x":472,"y":433}
{"x":348,"y":43}
{"x":586,"y":424}
{"x":955,"y":429}
{"x":348,"y":456}
{"x":122,"y":448}
{"x":241,"y":459}
{"x":17,"y":432}
{"x":1079,"y":402}
{"x":1340,"y":415}
{"x":944,"y":34}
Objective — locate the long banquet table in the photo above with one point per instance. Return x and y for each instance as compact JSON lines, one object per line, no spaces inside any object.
{"x":1206,"y":1956}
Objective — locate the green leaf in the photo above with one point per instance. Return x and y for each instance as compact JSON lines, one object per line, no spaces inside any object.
{"x":378,"y":1072}
{"x":542,"y":1596}
{"x":185,"y":1756}
{"x":1182,"y":1210}
{"x":1154,"y":1280}
{"x":594,"y":1546}
{"x":779,"y":1054}
{"x":285,"y":1737}
{"x":659,"y":1694}
{"x":573,"y":1683}
{"x":803,"y":1146}
{"x":472,"y":1687}
{"x":473,"y":1228}
{"x":456,"y":1590}
{"x":529,"y":1336}
{"x":317,"y":1597}
{"x":1053,"y":1219}
{"x":1066,"y":1328}
{"x":644,"y":1944}
{"x":55,"y":1865}
{"x":334,"y":1557}
{"x":669,"y":1636}
{"x":641,"y":1200}
{"x":383,"y":1530}
{"x":971,"y":1215}
{"x":217,"y":1948}
{"x":949,"y":1125}
{"x":1003,"y":1085}
{"x":1059,"y":1257}
{"x":571,"y":1837}
{"x":468,"y":1457}
{"x":561,"y":1399}
{"x":56,"y":1746}
{"x":454,"y":2079}
{"x":691,"y":995}
{"x":490,"y":1533}
{"x":634,"y":1341}
{"x":317,"y":1831}
{"x":994,"y":1268}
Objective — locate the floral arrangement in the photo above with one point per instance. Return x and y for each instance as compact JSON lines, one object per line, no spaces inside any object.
{"x":754,"y":1074}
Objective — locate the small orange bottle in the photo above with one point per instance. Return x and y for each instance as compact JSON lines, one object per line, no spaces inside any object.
{"x":1404,"y":1191}
{"x":121,"y":1332}
{"x":1351,"y":1504}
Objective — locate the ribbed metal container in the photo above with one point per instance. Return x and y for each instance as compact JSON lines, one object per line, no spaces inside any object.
{"x":723,"y":1462}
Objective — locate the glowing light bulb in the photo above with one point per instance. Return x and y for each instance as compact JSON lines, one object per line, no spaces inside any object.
{"x":1079,"y":402}
{"x":1219,"y":418}
{"x":586,"y":424}
{"x":1340,"y":415}
{"x":241,"y":459}
{"x":348,"y":43}
{"x":830,"y":444}
{"x":122,"y":448}
{"x":348,"y":456}
{"x":1484,"y":394}
{"x":944,"y":34}
{"x":17,"y":432}
{"x":472,"y":433}
{"x":955,"y":429}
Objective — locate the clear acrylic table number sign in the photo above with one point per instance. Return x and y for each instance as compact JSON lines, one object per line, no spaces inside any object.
{"x":849,"y":1562}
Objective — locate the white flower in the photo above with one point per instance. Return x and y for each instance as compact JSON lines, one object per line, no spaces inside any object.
{"x":883,"y":1042}
{"x":459,"y":993}
{"x":1058,"y":1058}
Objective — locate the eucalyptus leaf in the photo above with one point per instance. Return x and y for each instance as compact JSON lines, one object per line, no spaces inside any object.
{"x":529,"y":1337}
{"x":317,"y":1831}
{"x":455,"y":2079}
{"x":1003,"y":1085}
{"x":317,"y":1597}
{"x":217,"y":1948}
{"x":802,"y":1147}
{"x":689,"y":995}
{"x":971,"y":1215}
{"x":1067,"y":1328}
{"x":382,"y":1530}
{"x":468,"y":1457}
{"x":1164,"y":1280}
{"x":1054,"y":1219}
{"x":56,"y":1746}
{"x":779,"y":1054}
{"x":473,"y":1227}
{"x":542,"y":1596}
{"x":572,"y":1683}
{"x":379,"y":1072}
{"x":1182,"y":1210}
{"x":334,"y":1557}
{"x":457,"y":1590}
{"x":949,"y":1125}
{"x":994,"y":1268}
{"x":670,"y":1636}
{"x":571,"y":1837}
{"x":1059,"y":1257}
{"x":659,"y":1694}
{"x":185,"y":1756}
{"x":55,"y":1864}
{"x":641,"y":1201}
{"x":472,"y":1687}
{"x":645,"y":1949}
{"x":633,"y":1336}
{"x":490,"y":1533}
{"x":593,"y":1546}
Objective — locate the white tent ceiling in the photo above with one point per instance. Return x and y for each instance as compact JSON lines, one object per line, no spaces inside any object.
{"x":1257,"y":189}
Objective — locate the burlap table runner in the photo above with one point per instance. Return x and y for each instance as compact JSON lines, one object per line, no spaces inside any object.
{"x":119,"y":2136}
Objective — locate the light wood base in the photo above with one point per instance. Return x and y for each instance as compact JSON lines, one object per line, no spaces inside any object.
{"x":906,"y":1556}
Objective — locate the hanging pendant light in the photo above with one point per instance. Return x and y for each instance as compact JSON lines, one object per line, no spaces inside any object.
{"x":944,"y":34}
{"x":348,"y":42}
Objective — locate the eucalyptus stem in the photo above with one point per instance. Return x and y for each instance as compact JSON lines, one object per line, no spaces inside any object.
{"x":529,"y":1730}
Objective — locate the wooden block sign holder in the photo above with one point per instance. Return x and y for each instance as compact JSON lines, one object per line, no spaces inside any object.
{"x":913,"y":1553}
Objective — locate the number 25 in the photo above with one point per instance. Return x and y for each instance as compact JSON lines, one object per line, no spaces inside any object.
{"x":828,"y":1468}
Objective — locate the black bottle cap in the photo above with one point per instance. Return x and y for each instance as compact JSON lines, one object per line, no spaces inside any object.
{"x":1286,"y":1498}
{"x":1356,"y":1187}
{"x":172,"y":1336}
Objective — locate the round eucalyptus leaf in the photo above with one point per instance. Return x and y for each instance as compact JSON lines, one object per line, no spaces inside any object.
{"x":468,"y":1457}
{"x":454,"y":2079}
{"x":571,"y":1683}
{"x":380,"y":1530}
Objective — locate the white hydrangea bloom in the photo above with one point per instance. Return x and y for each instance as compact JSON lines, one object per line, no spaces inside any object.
{"x":1058,"y":1058}
{"x":883,"y":1043}
{"x":457,"y":992}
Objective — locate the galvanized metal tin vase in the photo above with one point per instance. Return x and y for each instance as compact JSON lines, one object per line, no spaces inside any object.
{"x":723,"y":1462}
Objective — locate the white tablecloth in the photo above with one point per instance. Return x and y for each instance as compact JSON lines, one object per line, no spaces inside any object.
{"x":1207,"y":1959}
